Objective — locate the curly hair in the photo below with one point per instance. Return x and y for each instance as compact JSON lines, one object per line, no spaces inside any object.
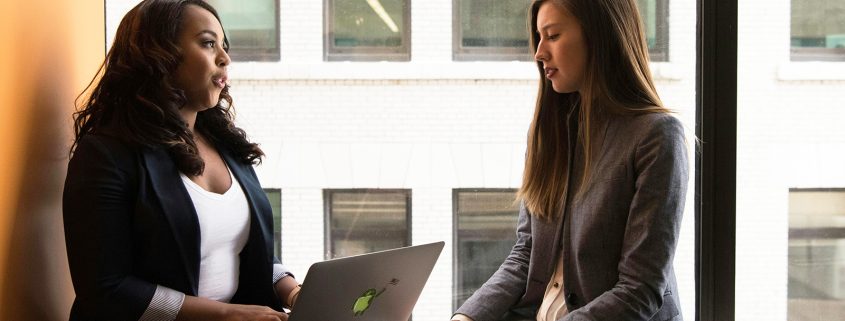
{"x":135,"y":97}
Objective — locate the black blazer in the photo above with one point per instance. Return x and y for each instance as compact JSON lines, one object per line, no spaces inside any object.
{"x":130,"y":225}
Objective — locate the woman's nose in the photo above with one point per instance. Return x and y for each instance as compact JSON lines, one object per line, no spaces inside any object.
{"x":223,"y":59}
{"x":540,"y":55}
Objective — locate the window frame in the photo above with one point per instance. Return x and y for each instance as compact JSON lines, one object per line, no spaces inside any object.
{"x":333,"y":53}
{"x":461,"y":53}
{"x":660,"y":53}
{"x":817,"y":232}
{"x":266,"y":193}
{"x":812,"y":53}
{"x":455,"y":244}
{"x":816,"y":54}
{"x":715,"y":159}
{"x":263,"y":55}
{"x":328,"y":249}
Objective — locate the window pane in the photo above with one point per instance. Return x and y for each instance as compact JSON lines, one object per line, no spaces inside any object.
{"x":816,"y":288}
{"x":790,"y":178}
{"x":492,"y":30}
{"x":363,"y":221}
{"x":252,"y":28}
{"x":485,"y":227}
{"x":274,"y":195}
{"x":655,"y":19}
{"x":368,"y":30}
{"x":818,"y":30}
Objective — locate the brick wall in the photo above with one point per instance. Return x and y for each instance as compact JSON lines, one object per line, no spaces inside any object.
{"x":432,"y":125}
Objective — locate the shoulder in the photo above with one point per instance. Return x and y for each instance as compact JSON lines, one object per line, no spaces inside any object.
{"x":104,"y":147}
{"x":655,"y":122}
{"x":654,"y":126}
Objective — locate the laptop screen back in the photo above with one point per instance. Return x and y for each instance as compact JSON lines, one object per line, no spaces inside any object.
{"x":376,"y":286}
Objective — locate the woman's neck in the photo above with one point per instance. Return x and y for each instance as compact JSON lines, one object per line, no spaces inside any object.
{"x":189,"y":116}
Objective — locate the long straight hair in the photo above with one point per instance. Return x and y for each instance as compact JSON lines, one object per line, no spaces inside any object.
{"x":616,"y":82}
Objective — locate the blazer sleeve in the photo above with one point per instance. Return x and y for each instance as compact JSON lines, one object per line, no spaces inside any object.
{"x":97,"y":206}
{"x":507,"y":285}
{"x":651,"y":233}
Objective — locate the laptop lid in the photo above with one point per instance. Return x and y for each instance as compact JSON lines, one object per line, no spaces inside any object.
{"x":378,"y":286}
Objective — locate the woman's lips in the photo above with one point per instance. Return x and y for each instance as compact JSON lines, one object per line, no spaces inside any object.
{"x":550,"y":72}
{"x":220,"y":81}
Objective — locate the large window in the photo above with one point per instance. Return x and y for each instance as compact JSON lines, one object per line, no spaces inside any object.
{"x":818,"y":30}
{"x":498,"y":30}
{"x":790,"y":200}
{"x":367,"y":30}
{"x":655,"y":15}
{"x":816,"y":289}
{"x":485,"y":232}
{"x":360,"y":221}
{"x":252,"y":28}
{"x":274,"y":195}
{"x":491,"y":30}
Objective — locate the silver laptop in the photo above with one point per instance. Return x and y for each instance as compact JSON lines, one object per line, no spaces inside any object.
{"x":379,"y":286}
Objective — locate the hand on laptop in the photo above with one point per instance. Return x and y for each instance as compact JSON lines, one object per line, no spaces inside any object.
{"x":239,"y":312}
{"x":194,"y":308}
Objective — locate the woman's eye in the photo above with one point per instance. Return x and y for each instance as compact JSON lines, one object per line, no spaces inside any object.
{"x":208,"y":44}
{"x":553,"y":37}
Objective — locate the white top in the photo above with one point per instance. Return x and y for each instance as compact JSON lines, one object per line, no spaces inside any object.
{"x":554,"y":306}
{"x":224,"y":230}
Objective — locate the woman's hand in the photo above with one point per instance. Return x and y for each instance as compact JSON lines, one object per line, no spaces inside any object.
{"x":201,"y":309}
{"x":239,"y":312}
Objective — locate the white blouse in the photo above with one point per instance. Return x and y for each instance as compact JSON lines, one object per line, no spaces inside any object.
{"x":224,"y":230}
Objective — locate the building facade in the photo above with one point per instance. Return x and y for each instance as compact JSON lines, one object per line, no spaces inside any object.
{"x":398,"y":122}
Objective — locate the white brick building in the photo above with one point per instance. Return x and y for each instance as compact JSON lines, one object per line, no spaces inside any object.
{"x":432,"y":125}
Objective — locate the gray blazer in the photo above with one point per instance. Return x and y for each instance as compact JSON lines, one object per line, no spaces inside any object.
{"x":617,"y":240}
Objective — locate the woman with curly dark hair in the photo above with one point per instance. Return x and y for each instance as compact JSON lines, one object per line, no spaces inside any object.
{"x":164,"y":216}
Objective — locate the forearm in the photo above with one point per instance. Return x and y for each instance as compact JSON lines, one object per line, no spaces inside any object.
{"x":201,"y":309}
{"x":287,"y":289}
{"x":194,"y":308}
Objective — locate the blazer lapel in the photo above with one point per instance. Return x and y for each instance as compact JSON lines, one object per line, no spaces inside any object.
{"x":178,"y":208}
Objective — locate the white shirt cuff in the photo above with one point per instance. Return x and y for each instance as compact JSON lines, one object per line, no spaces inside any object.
{"x":460,"y":317}
{"x":164,"y":306}
{"x":279,"y":272}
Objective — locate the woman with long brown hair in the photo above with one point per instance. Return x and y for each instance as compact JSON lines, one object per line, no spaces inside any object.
{"x":164,"y":216}
{"x":605,"y":178}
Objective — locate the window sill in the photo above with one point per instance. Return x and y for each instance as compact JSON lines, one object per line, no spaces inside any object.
{"x":811,"y":70}
{"x":457,"y":70}
{"x":384,"y":70}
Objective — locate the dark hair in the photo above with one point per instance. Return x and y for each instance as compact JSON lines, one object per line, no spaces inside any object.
{"x":135,"y":98}
{"x":617,"y":81}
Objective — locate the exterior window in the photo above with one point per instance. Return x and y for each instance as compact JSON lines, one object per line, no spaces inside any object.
{"x":491,"y":30}
{"x":485,"y":232}
{"x":361,"y":221}
{"x":498,"y":30}
{"x":816,"y":288}
{"x":818,"y":30}
{"x":367,"y":30}
{"x":655,"y":15}
{"x":252,"y":28}
{"x":274,"y":195}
